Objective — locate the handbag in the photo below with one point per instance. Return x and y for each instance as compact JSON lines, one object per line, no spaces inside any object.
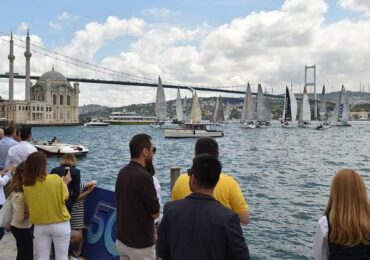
{"x":6,"y":212}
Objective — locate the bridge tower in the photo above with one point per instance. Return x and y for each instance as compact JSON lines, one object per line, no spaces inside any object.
{"x":11,"y":58}
{"x":28,"y":55}
{"x":312,"y":83}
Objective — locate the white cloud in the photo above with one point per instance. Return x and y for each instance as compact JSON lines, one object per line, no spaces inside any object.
{"x":356,"y":5}
{"x":67,"y":16}
{"x":23,"y":27}
{"x":268,"y":47}
{"x":55,"y":26}
{"x":157,"y":12}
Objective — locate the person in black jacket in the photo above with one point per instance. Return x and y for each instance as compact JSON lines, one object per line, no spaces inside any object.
{"x":68,"y":163}
{"x":200,"y":227}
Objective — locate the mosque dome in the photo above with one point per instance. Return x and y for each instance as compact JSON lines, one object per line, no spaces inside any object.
{"x":53,"y":76}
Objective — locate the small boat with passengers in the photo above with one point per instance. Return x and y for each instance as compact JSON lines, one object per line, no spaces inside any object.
{"x":96,"y":122}
{"x":54,"y":148}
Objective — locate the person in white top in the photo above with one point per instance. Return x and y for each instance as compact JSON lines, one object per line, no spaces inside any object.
{"x":344,"y":230}
{"x":20,"y":225}
{"x":19,"y":152}
{"x":4,"y":179}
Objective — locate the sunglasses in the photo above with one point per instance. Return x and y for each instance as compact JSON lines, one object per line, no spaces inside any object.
{"x":154,"y":149}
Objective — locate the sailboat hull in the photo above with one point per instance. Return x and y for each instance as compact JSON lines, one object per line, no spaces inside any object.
{"x":248,"y":126}
{"x":304,"y":125}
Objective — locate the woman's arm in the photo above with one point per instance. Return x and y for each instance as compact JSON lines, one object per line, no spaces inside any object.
{"x":89,"y":187}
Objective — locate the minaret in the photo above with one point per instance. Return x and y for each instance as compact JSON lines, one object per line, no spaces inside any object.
{"x":28,"y":55}
{"x":11,"y":58}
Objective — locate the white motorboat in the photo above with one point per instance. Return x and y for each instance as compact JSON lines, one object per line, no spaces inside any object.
{"x":54,"y":148}
{"x":96,"y":122}
{"x":249,"y":124}
{"x":196,"y":130}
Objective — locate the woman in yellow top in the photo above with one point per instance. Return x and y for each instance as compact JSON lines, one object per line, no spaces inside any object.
{"x":45,"y":196}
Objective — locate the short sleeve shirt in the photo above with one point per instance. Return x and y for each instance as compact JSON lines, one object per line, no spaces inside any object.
{"x":137,"y":201}
{"x":46,"y":201}
{"x":227,"y":192}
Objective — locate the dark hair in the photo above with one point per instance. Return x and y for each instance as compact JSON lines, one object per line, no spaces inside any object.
{"x":26,"y":131}
{"x":17,"y":180}
{"x":207,"y":169}
{"x":9,"y":130}
{"x":34,"y":168}
{"x":138,"y":143}
{"x":206,"y":145}
{"x":149,"y":167}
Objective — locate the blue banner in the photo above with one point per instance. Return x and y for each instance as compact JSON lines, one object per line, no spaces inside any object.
{"x":100,"y":218}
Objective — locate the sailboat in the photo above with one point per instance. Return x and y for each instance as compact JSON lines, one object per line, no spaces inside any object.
{"x":262,"y":109}
{"x":323,"y":113}
{"x":341,"y":111}
{"x":195,"y":128}
{"x":305,"y":113}
{"x":290,"y":109}
{"x":247,"y":117}
{"x":227,"y":111}
{"x":218,"y":115}
{"x":160,"y":106}
{"x":179,"y":109}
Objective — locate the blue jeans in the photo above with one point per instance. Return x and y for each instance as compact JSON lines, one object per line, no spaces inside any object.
{"x":1,"y":229}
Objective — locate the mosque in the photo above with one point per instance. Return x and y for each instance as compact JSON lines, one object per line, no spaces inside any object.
{"x":51,"y":101}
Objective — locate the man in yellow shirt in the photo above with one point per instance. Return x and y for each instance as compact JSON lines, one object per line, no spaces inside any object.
{"x":227,"y":190}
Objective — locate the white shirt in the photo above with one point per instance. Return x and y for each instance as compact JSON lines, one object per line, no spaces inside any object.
{"x":157,"y":187}
{"x":3,"y":181}
{"x":19,"y":153}
{"x":320,"y":249}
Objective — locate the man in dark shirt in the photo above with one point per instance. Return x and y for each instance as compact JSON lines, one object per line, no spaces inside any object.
{"x":137,"y":203}
{"x":199,"y":227}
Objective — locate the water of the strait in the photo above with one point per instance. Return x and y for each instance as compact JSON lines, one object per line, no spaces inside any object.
{"x":285,"y":174}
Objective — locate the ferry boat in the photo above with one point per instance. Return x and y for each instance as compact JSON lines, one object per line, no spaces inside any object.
{"x":129,"y":118}
{"x":194,"y":130}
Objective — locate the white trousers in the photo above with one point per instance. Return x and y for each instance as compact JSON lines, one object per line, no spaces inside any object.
{"x":130,"y":253}
{"x":59,"y":234}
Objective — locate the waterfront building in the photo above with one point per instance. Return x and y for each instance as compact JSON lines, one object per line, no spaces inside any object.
{"x":51,"y":101}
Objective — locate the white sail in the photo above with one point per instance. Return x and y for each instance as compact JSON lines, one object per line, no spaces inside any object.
{"x":216,"y":109}
{"x":160,"y":103}
{"x":293,"y":106}
{"x":218,"y":115}
{"x":196,"y":113}
{"x":344,"y":110}
{"x":227,"y":111}
{"x":185,"y":109}
{"x":268,"y":106}
{"x":322,"y":109}
{"x":249,"y":115}
{"x":179,"y":109}
{"x":261,"y":108}
{"x":305,"y":115}
{"x":341,"y":110}
{"x":244,"y":111}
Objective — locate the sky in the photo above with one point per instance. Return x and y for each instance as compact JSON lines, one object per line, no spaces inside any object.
{"x":213,"y":43}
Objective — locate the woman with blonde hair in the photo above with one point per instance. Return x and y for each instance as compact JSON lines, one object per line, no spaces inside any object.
{"x":68,"y":163}
{"x":45,"y":196}
{"x":344,"y":230}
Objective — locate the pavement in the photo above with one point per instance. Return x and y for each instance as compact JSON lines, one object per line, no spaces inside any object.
{"x":9,"y":248}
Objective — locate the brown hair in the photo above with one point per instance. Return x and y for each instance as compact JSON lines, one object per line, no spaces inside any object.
{"x":348,"y":209}
{"x":68,"y":160}
{"x":17,"y":181}
{"x":34,"y":168}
